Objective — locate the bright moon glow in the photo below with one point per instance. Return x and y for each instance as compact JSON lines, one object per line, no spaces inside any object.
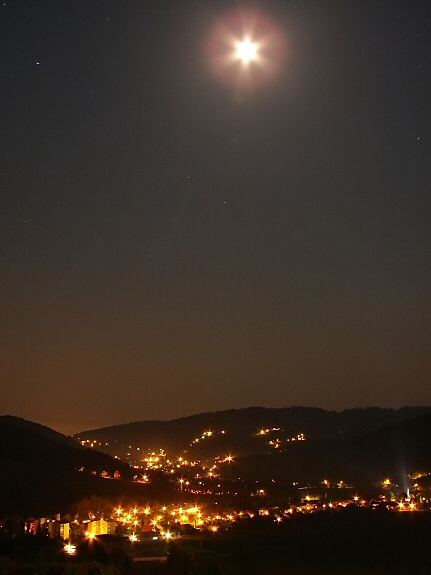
{"x":247,"y":51}
{"x":246,"y":48}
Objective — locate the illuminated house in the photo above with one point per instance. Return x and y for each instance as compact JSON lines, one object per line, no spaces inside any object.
{"x":65,"y":531}
{"x":101,"y":527}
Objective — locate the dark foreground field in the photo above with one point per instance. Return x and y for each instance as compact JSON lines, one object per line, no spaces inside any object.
{"x":371,"y":543}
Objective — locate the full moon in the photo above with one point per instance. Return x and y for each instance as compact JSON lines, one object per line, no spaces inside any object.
{"x":246,"y":48}
{"x":246,"y":51}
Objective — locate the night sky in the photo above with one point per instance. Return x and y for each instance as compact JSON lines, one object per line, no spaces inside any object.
{"x":182,"y":234}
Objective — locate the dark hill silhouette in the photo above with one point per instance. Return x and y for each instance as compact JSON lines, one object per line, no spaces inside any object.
{"x":39,"y":470}
{"x":392,"y":451}
{"x":241,"y":428}
{"x":39,"y":467}
{"x":36,"y":444}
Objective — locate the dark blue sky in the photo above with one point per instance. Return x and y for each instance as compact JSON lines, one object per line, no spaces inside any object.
{"x":172,"y":243}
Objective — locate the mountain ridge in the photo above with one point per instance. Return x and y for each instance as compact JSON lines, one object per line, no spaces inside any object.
{"x":176,"y":435}
{"x":42,"y":470}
